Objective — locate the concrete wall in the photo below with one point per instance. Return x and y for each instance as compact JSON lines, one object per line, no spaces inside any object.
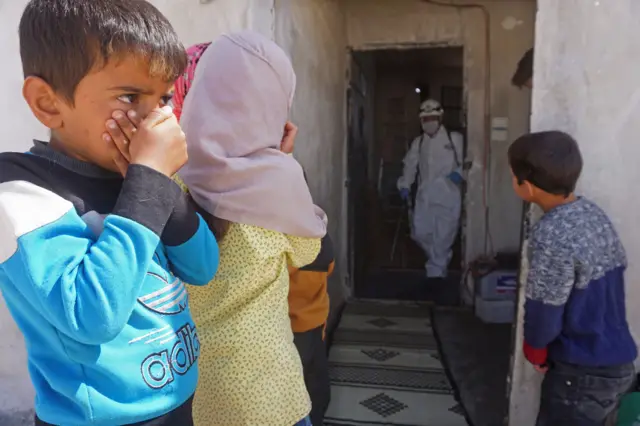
{"x":584,"y":84}
{"x":202,"y":20}
{"x":17,"y":121}
{"x":375,"y":24}
{"x":312,"y":32}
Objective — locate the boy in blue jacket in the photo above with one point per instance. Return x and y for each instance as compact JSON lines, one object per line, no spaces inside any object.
{"x":93,"y":265}
{"x":575,"y":325}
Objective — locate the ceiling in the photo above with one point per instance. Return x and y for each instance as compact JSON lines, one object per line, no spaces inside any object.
{"x":438,"y":57}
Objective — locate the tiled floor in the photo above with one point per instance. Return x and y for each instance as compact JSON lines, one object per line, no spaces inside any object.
{"x":386,"y":369}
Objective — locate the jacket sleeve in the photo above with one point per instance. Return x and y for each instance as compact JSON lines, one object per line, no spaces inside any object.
{"x":550,"y":281}
{"x":411,"y":161}
{"x":325,"y":259}
{"x":190,"y":245}
{"x":85,"y":285}
{"x":533,"y":355}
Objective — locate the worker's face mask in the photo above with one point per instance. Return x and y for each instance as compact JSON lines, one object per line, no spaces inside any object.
{"x":430,"y":127}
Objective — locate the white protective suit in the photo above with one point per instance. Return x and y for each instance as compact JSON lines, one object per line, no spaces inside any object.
{"x":436,"y":213}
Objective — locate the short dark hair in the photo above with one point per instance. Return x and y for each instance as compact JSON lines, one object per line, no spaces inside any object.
{"x":524,"y":72}
{"x":61,"y":41}
{"x":549,"y":160}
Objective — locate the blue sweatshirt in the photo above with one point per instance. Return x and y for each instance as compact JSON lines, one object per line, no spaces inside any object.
{"x":575,"y":306}
{"x":92,"y":268}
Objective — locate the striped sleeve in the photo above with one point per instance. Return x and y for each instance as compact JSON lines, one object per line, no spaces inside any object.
{"x":549,"y":283}
{"x":86,"y":287}
{"x":191,"y":247}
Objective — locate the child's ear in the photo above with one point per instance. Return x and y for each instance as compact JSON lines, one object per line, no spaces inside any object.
{"x":529,"y":188}
{"x":43,"y":102}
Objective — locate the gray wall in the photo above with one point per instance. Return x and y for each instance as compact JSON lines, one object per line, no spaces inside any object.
{"x":313,"y":33}
{"x":586,"y":68}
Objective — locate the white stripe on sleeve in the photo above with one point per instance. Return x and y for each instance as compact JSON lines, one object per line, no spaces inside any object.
{"x":25,"y":207}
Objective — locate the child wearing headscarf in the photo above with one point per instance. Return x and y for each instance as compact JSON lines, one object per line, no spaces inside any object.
{"x":184,"y":82}
{"x":257,"y":202}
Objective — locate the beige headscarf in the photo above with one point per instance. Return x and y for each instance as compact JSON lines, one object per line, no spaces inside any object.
{"x":234,"y":117}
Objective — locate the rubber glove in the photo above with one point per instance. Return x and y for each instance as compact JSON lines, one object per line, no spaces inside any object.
{"x":455,"y":177}
{"x":404,"y":194}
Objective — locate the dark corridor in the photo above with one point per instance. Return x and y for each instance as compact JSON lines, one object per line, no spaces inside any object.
{"x":386,"y":89}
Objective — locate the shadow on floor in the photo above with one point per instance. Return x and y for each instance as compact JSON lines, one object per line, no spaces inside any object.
{"x":407,"y":285}
{"x":477,"y":356}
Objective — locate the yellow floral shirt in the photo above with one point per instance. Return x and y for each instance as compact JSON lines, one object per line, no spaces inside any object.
{"x":250,"y":370}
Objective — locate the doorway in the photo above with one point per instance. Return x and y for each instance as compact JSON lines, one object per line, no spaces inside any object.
{"x":386,"y":89}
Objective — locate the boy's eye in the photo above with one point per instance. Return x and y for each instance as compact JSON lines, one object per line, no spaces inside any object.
{"x":166,"y":100}
{"x":128,"y":99}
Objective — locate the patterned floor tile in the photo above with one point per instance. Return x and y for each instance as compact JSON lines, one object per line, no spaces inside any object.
{"x":383,"y":405}
{"x":381,"y":322}
{"x":395,"y":378}
{"x":372,"y":322}
{"x":380,"y":355}
{"x":362,"y":406}
{"x":385,"y":369}
{"x":387,"y":338}
{"x":384,"y":356}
